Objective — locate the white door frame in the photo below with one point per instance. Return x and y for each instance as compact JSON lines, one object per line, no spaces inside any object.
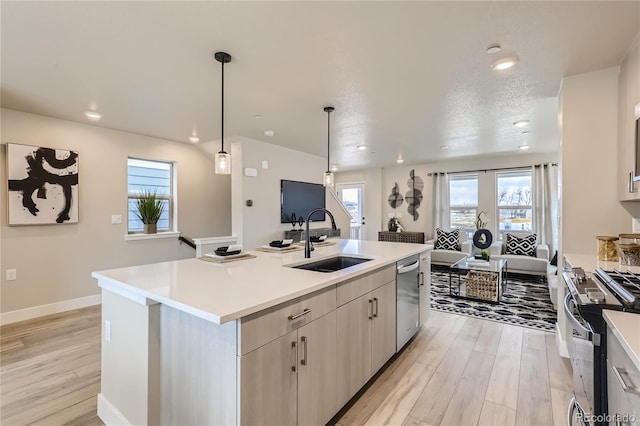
{"x":357,"y":230}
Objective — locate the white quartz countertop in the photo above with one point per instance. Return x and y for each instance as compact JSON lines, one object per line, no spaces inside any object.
{"x":626,"y":327}
{"x":590,"y":262}
{"x":222,"y":292}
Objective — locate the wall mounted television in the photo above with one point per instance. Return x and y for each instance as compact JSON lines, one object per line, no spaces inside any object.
{"x":300,"y":198}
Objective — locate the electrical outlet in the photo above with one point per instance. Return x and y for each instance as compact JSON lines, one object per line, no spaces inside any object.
{"x":116,"y":219}
{"x":107,"y":331}
{"x":11,"y":274}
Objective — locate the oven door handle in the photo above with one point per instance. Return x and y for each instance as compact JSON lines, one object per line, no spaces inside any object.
{"x":584,"y":332}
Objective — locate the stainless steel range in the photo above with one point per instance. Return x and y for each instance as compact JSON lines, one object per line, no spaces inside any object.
{"x":588,"y":295}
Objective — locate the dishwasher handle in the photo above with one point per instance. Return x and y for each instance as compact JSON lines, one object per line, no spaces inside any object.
{"x":404,"y":269}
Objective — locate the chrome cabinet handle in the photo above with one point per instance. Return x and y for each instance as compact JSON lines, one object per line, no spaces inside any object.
{"x":296,"y":316}
{"x":420,"y":278}
{"x":294,"y":345}
{"x":371,"y":309}
{"x":375,"y":299}
{"x":303,"y":361}
{"x":631,"y":188}
{"x":627,"y":387}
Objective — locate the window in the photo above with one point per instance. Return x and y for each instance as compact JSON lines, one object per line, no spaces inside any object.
{"x":150,"y":176}
{"x":514,"y":201}
{"x":463,"y":201}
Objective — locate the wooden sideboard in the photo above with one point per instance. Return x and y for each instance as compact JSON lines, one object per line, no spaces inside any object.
{"x":401,"y":237}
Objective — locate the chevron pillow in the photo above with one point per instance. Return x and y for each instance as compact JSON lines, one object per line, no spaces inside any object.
{"x":447,"y":240}
{"x":524,"y":246}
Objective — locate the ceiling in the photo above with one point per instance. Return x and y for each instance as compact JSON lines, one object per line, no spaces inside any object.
{"x":405,"y":78}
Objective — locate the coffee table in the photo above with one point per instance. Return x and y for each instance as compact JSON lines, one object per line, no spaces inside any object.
{"x":478,"y":279}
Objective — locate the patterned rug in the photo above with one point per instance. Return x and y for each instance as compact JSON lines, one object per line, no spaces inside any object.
{"x":525,"y":301}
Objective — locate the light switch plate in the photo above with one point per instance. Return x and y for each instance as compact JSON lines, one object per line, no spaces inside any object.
{"x":116,"y":219}
{"x":251,"y":172}
{"x":265,"y":164}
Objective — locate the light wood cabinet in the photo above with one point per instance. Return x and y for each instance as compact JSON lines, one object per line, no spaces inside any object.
{"x":628,"y":98}
{"x":316,"y":371}
{"x":353,"y":361}
{"x":383,"y":325}
{"x":366,"y":338}
{"x":292,"y":380}
{"x":425,"y":286}
{"x":623,"y":384}
{"x":269,"y":383}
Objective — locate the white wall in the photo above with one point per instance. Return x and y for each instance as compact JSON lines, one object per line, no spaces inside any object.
{"x":400,"y":174}
{"x":590,"y":206}
{"x":54,"y":262}
{"x":259,"y":224}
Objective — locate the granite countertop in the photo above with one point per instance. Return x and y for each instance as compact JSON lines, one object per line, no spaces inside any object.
{"x":626,"y":327}
{"x":222,"y":292}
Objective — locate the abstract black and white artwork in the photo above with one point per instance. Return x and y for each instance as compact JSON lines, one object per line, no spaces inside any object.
{"x":395,"y":199}
{"x":413,"y":197}
{"x":43,"y":185}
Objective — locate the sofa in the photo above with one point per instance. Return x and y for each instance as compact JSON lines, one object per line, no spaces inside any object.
{"x":449,"y":256}
{"x":534,"y":262}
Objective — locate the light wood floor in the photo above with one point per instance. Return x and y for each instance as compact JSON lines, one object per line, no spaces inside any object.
{"x":457,"y":371}
{"x":50,"y":369}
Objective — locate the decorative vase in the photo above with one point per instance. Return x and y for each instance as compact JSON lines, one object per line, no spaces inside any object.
{"x":150,"y":228}
{"x":392,"y":225}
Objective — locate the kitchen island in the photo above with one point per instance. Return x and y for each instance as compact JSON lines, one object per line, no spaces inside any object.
{"x":251,"y":341}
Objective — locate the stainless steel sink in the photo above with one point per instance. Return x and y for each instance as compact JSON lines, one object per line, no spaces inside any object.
{"x":332,"y":264}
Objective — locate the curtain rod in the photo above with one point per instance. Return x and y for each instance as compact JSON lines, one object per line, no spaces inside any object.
{"x":493,"y":170}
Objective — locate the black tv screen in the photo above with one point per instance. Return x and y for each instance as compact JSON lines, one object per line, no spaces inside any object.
{"x":300,"y":198}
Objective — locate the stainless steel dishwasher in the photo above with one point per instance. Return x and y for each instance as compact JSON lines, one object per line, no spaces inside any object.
{"x":407,"y":299}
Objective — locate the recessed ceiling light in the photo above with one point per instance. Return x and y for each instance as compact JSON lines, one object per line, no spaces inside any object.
{"x":524,"y":147}
{"x":194,"y":139}
{"x":362,"y":147}
{"x":269,"y":133}
{"x":493,"y":49}
{"x":93,"y":116}
{"x":258,"y":116}
{"x":400,"y":160}
{"x":521,"y":123}
{"x":504,"y":63}
{"x":334,"y":168}
{"x":444,"y":146}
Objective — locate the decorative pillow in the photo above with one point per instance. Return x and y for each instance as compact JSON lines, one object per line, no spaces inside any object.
{"x":447,"y":240}
{"x":525,"y":246}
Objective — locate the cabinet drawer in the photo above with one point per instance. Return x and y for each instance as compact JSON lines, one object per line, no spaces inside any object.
{"x":352,"y":289}
{"x":264,"y":326}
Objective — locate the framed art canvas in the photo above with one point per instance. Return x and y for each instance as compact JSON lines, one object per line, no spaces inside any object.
{"x":43,"y":185}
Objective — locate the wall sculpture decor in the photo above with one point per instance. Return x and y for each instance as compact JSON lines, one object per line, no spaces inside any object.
{"x":395,"y":199}
{"x":43,"y":185}
{"x":414,"y":195}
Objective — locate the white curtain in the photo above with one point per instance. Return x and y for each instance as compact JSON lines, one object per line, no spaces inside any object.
{"x":440,"y":201}
{"x":545,"y":205}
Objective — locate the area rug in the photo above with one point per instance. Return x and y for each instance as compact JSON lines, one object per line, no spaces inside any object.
{"x":525,"y":302}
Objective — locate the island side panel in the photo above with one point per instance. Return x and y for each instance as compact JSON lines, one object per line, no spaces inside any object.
{"x":129,"y":350}
{"x":198,"y":370}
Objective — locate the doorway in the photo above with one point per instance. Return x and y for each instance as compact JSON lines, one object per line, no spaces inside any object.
{"x":352,"y":197}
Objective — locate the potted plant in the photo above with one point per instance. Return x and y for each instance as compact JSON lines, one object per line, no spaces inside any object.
{"x":149,"y":208}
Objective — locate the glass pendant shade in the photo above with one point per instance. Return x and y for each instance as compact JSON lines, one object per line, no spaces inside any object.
{"x":223,"y":163}
{"x":328,"y":179}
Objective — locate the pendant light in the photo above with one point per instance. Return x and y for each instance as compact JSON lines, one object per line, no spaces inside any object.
{"x":328,"y":175}
{"x":223,"y":160}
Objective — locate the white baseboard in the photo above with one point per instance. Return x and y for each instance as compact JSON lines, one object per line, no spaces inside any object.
{"x":52,"y":308}
{"x":110,"y":414}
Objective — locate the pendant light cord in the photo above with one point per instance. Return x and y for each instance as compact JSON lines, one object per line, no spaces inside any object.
{"x":328,"y":136}
{"x":222,"y":106}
